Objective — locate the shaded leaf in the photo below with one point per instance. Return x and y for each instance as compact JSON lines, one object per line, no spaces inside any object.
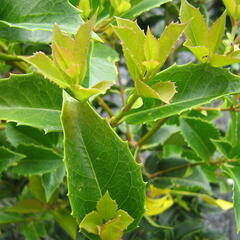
{"x":38,"y":160}
{"x":8,"y":158}
{"x":198,"y":134}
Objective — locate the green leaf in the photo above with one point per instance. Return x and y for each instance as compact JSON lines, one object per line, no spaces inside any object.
{"x":114,"y":229}
{"x":33,"y":230}
{"x":101,"y":65}
{"x":36,"y":187}
{"x":107,"y":207}
{"x":223,"y":147}
{"x":233,"y":133}
{"x":52,"y":180}
{"x":142,"y":6}
{"x":39,"y":15}
{"x":36,"y":102}
{"x":231,"y":8}
{"x":197,"y":29}
{"x":47,"y":68}
{"x":27,"y":206}
{"x":162,"y":90}
{"x":66,"y":221}
{"x":39,"y":160}
{"x":99,"y":170}
{"x":209,"y":83}
{"x":91,"y":222}
{"x":8,"y":158}
{"x":234,"y":173}
{"x":198,"y":134}
{"x":168,"y":39}
{"x":216,"y":33}
{"x":9,"y":217}
{"x":218,"y":60}
{"x":17,"y":135}
{"x":133,"y":51}
{"x":81,"y":47}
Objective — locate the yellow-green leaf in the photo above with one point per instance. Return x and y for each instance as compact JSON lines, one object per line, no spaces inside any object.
{"x":202,"y":53}
{"x":216,"y":33}
{"x":225,"y":205}
{"x":163,"y":91}
{"x":106,"y":207}
{"x":85,"y":6}
{"x":81,"y":47}
{"x":168,"y":40}
{"x":47,"y":67}
{"x":83,"y":94}
{"x":151,"y":47}
{"x":218,"y":60}
{"x":197,"y":29}
{"x":231,"y":6}
{"x":166,"y":90}
{"x":91,"y":222}
{"x":158,"y":206}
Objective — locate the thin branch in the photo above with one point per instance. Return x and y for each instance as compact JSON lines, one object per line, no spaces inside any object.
{"x":173,"y":169}
{"x":104,"y":105}
{"x":231,"y":108}
{"x":151,"y":132}
{"x":117,"y":118}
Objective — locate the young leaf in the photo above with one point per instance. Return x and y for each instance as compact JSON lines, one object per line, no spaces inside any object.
{"x":8,"y":158}
{"x":162,"y":90}
{"x":107,"y":207}
{"x":216,"y":33}
{"x":197,"y":29}
{"x":231,"y":6}
{"x":29,"y":107}
{"x":168,"y":39}
{"x":91,"y":222}
{"x":38,"y":160}
{"x":81,"y":47}
{"x":87,"y":185}
{"x":209,"y":84}
{"x":198,"y":134}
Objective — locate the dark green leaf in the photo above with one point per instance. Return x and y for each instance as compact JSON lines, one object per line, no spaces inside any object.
{"x":143,"y":6}
{"x":66,"y":221}
{"x":196,"y":85}
{"x":198,"y":134}
{"x":98,"y":161}
{"x":7,"y":158}
{"x":39,"y":160}
{"x":17,"y":135}
{"x":36,"y":101}
{"x":8,"y":217}
{"x":39,"y":15}
{"x":52,"y":180}
{"x":234,"y":173}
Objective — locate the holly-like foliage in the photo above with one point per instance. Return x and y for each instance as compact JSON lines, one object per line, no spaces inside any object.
{"x":107,"y":131}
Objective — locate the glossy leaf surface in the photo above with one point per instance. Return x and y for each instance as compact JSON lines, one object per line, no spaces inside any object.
{"x":97,"y":161}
